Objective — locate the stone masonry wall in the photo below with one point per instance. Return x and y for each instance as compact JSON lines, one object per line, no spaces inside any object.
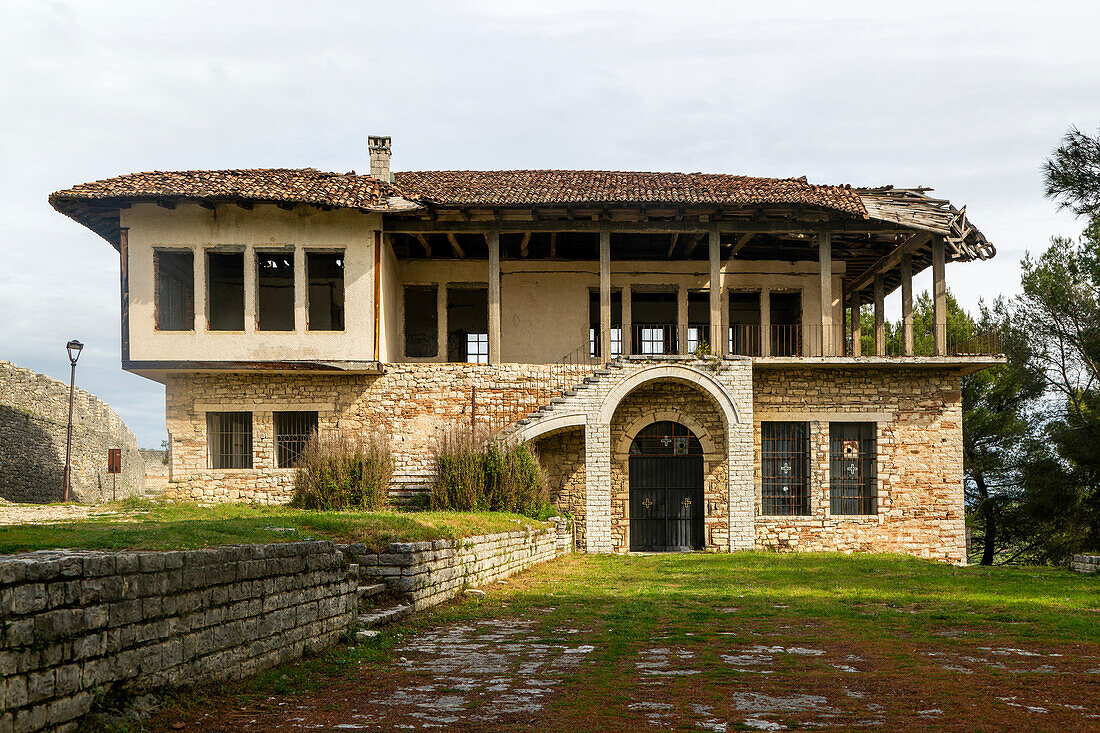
{"x":918,"y":413}
{"x":1085,"y":564}
{"x":412,"y":403}
{"x":561,"y":455}
{"x":34,"y":414}
{"x":427,"y":573}
{"x":696,"y":410}
{"x":76,"y":624}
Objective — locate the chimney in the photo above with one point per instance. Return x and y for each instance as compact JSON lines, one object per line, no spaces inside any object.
{"x":379,"y":147}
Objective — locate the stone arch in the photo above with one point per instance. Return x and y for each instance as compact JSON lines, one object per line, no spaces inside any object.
{"x":552,"y":423}
{"x":674,"y":372}
{"x":687,"y":419}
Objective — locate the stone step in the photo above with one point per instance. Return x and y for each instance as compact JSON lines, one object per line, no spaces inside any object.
{"x":602,"y":372}
{"x":382,"y":616}
{"x":370,"y":590}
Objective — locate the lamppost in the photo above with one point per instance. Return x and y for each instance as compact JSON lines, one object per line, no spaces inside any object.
{"x":73,"y":347}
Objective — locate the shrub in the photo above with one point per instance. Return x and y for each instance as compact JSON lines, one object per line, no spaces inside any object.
{"x":476,"y":473}
{"x":341,"y":472}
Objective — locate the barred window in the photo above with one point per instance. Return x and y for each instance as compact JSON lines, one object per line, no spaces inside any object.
{"x":785,"y":467}
{"x":292,"y":431}
{"x":852,"y":471}
{"x":229,"y":439}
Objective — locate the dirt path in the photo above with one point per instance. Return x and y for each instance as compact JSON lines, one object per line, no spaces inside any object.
{"x":53,"y":513}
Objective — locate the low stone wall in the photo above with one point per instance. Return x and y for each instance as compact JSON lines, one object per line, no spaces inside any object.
{"x":423,"y":574}
{"x":75,"y":624}
{"x":1085,"y":564}
{"x":34,"y":419}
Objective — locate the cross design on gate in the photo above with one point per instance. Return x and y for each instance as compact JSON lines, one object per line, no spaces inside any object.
{"x":647,"y":503}
{"x":686,"y":502}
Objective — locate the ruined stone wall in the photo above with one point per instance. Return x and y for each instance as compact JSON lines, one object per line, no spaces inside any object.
{"x":34,"y":414}
{"x":411,"y":403}
{"x":918,"y":413}
{"x":77,"y":624}
{"x":561,"y":456}
{"x":696,"y":410}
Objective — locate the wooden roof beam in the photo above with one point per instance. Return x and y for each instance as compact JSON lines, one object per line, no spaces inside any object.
{"x":455,"y":246}
{"x":743,"y":240}
{"x":888,"y":262}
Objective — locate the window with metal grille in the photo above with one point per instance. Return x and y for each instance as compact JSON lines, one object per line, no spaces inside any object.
{"x":852,"y":471}
{"x":229,"y":439}
{"x":175,"y":306}
{"x":292,"y":431}
{"x":785,"y":467}
{"x":665,"y":438}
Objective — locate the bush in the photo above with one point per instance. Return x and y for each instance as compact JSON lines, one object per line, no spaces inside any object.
{"x":480,"y":474}
{"x":341,"y":472}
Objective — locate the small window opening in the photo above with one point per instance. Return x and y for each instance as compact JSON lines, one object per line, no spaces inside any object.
{"x":468,"y":325}
{"x":852,"y":469}
{"x":745,"y":324}
{"x":292,"y":431}
{"x":325,"y":276}
{"x":594,"y":323}
{"x":226,"y":291}
{"x":421,"y":321}
{"x":229,"y":439}
{"x":785,"y":467}
{"x":655,"y":320}
{"x":175,"y":306}
{"x":786,"y":312}
{"x":275,"y":282}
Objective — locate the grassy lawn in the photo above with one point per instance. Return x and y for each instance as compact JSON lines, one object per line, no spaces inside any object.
{"x":152,"y":525}
{"x":749,"y":641}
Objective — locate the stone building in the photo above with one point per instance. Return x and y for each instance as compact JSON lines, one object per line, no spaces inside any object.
{"x":675,"y":345}
{"x":34,"y":420}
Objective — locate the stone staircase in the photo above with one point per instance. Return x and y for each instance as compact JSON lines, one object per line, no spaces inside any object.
{"x":582,"y":396}
{"x":377,"y":607}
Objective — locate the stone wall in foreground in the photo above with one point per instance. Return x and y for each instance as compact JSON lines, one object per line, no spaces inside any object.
{"x":76,"y":624}
{"x":34,"y":419}
{"x":423,"y":574}
{"x":1085,"y":564}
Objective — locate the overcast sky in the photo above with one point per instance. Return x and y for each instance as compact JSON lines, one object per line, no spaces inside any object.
{"x":967,"y":97}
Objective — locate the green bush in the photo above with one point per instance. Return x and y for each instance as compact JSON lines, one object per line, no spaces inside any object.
{"x":338,"y":472}
{"x":478,"y":474}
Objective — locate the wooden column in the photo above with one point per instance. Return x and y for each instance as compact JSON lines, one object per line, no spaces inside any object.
{"x":301,"y":284}
{"x":493,"y":238}
{"x":717,"y":342}
{"x":251,"y":292}
{"x":681,"y":319}
{"x":628,"y":320}
{"x":825,"y":268}
{"x":880,"y":316}
{"x":939,"y":298}
{"x":765,"y":322}
{"x":857,"y":325}
{"x":605,"y":294}
{"x":442,"y":346}
{"x":907,"y":303}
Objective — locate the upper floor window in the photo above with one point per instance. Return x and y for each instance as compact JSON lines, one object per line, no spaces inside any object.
{"x":225,"y":290}
{"x":468,"y":324}
{"x":852,"y":471}
{"x":421,"y":321}
{"x":325,"y":282}
{"x":275,"y":291}
{"x":786,"y":317}
{"x":175,"y":293}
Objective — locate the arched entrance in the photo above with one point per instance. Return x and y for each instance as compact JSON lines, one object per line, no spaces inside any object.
{"x":666,"y":489}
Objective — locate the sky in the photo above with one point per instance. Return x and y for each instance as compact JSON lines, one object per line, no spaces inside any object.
{"x":966,"y":97}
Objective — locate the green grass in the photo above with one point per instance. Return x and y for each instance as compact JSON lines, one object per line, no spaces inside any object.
{"x":150,"y":525}
{"x":888,"y":610}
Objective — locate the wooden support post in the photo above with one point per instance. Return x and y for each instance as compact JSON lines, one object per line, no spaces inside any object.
{"x":880,"y":316}
{"x":251,"y":293}
{"x":907,"y":303}
{"x":939,"y":298}
{"x":628,"y":320}
{"x":442,"y":346}
{"x":494,"y":295}
{"x":717,"y":343}
{"x":605,"y":294}
{"x":681,"y":319}
{"x":857,"y":325}
{"x":825,"y":268}
{"x":765,"y":324}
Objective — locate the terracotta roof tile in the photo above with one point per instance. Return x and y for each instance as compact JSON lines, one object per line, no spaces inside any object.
{"x":565,"y":187}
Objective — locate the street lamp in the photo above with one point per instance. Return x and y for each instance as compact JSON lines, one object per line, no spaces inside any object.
{"x":73,"y":347}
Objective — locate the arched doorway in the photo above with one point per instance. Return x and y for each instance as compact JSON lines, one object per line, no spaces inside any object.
{"x":666,"y":489}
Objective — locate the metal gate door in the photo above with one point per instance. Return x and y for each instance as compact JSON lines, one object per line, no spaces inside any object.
{"x":666,"y":503}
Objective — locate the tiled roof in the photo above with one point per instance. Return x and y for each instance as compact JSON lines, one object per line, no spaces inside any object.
{"x":564,"y":187}
{"x":275,"y":185}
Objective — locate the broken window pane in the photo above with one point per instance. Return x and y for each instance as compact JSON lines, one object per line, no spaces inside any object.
{"x":225,"y":291}
{"x":468,"y":325}
{"x":175,"y":295}
{"x":325,"y":272}
{"x":421,"y":321}
{"x":275,"y":286}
